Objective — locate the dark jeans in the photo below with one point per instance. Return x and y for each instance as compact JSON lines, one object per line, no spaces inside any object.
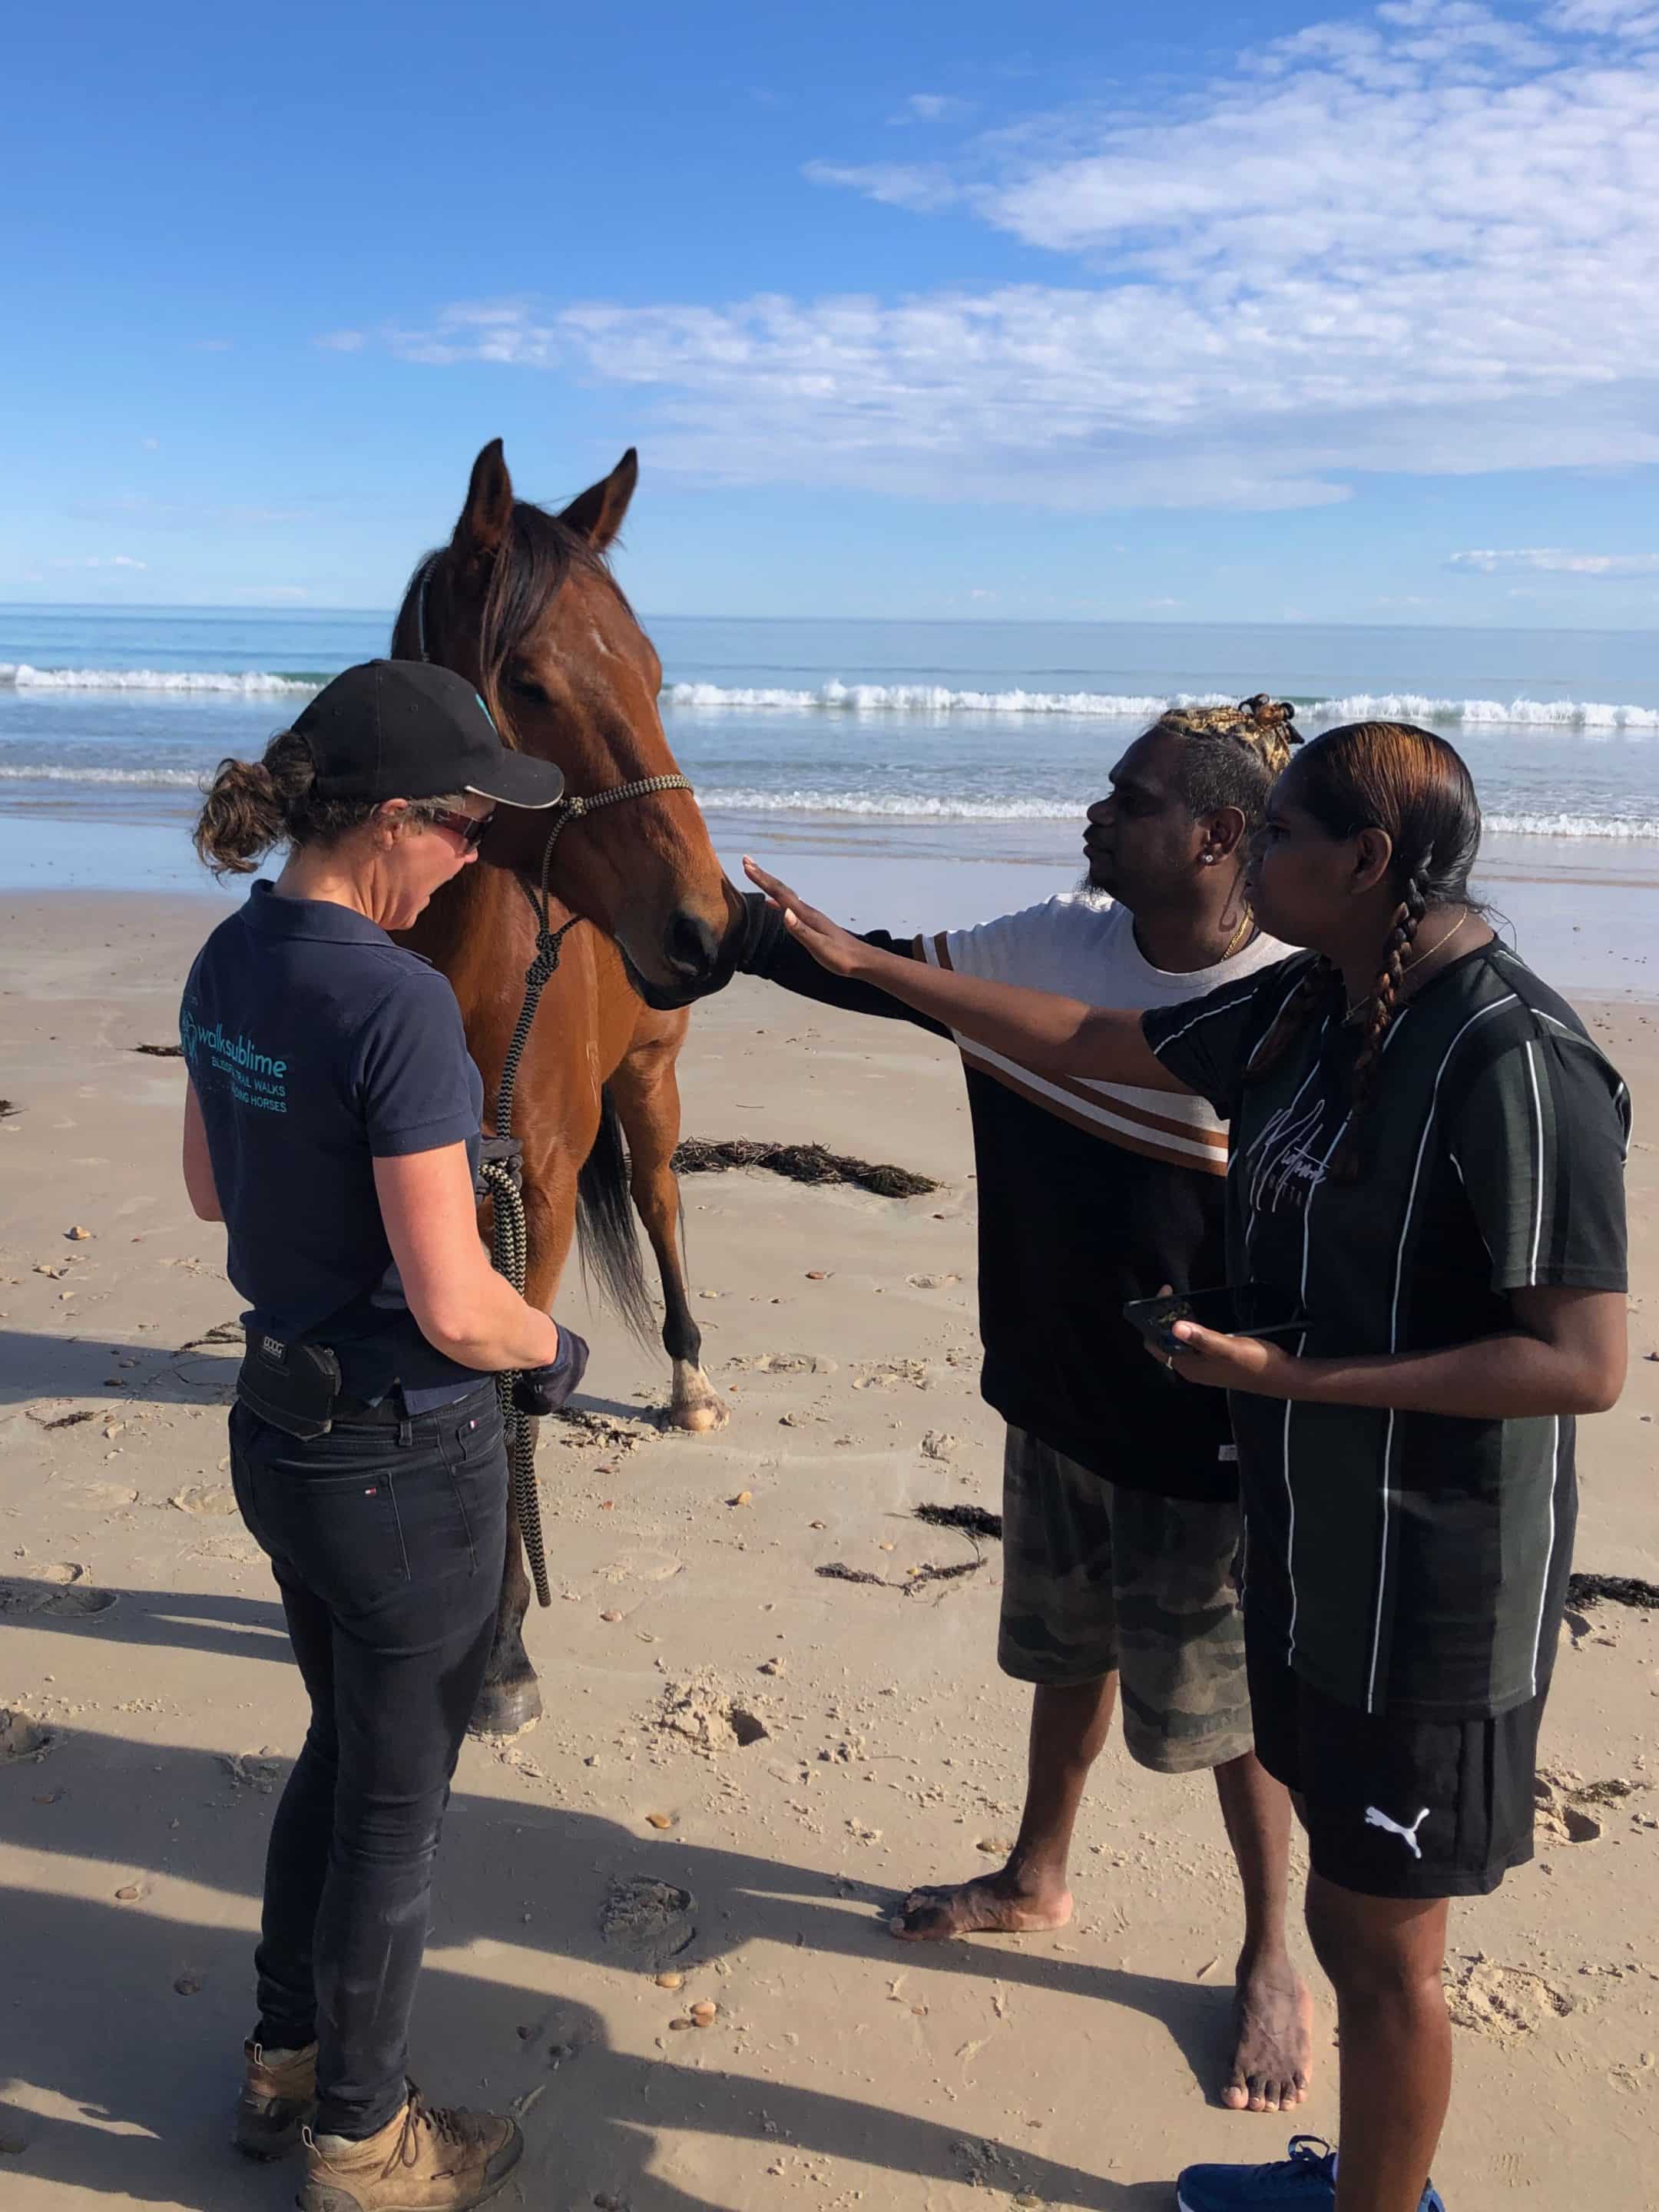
{"x":388,"y":1545}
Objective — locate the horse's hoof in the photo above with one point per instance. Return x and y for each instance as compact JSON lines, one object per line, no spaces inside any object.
{"x":506,"y":1708}
{"x":693,"y":1406}
{"x":701,"y":1418}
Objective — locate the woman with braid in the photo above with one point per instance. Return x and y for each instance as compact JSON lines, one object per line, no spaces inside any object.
{"x":1425,"y":1163}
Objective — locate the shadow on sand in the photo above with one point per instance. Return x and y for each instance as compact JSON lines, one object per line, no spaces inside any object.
{"x":129,"y":2081}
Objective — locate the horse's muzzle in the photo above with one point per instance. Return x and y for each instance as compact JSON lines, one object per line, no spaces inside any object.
{"x":691,"y":950}
{"x":696,"y":959}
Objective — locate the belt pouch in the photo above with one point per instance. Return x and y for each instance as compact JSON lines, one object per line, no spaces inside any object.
{"x":292,"y":1386}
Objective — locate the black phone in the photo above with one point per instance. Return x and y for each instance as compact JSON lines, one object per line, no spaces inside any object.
{"x":1243,"y":1309}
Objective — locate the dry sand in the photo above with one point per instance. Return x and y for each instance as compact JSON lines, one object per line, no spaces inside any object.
{"x":1070,"y":2069}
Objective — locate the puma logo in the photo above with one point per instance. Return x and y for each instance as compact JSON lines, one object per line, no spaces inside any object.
{"x":1374,"y":1818}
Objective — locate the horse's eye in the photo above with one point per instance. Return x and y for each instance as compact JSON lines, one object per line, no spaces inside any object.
{"x":525,"y":687}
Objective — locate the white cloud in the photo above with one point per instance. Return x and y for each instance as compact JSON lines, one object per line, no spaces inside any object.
{"x":342,"y":341}
{"x":101,"y":561}
{"x":1556,"y":561}
{"x":150,"y":445}
{"x":1421,"y":239}
{"x":1630,"y":20}
{"x":925,"y":107}
{"x":922,"y":187}
{"x":214,"y":345}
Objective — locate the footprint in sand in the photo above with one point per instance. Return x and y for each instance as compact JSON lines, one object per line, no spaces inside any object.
{"x":780,"y":1362}
{"x":932,"y":1282}
{"x":1502,"y":2003}
{"x":893,"y":1374}
{"x":650,"y":1920}
{"x":107,"y":1496}
{"x":61,"y":1593}
{"x":207,"y":1497}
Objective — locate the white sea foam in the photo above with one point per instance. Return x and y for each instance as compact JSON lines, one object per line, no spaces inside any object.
{"x":1572,"y":825}
{"x":1359,"y":707}
{"x":20,"y":675}
{"x":172,"y":779}
{"x":915,"y":806}
{"x":1549,"y":713}
{"x":936,"y":699}
{"x":911,"y":806}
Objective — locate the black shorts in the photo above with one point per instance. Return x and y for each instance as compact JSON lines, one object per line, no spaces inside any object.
{"x":1396,"y":1807}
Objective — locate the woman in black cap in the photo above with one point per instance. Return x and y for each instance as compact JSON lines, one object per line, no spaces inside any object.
{"x":332,"y":1123}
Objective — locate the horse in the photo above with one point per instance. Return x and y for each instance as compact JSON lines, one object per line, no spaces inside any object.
{"x":523,"y":604}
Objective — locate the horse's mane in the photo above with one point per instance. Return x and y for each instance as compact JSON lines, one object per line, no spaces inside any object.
{"x":536,"y":556}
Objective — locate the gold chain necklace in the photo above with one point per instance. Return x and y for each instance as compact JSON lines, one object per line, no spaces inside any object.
{"x":1356,"y":1014}
{"x":1241,"y":936}
{"x":1440,"y":943}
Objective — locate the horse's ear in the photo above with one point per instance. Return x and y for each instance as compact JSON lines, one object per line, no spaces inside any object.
{"x":489,"y":509}
{"x":597,"y":514}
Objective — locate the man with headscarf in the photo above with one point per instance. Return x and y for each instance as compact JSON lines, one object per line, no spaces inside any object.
{"x":1121,"y":1511}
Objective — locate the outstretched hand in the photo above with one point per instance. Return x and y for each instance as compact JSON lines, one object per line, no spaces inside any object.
{"x":829,"y":945}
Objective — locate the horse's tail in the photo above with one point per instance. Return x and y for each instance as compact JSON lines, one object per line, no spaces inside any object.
{"x":607,"y":1231}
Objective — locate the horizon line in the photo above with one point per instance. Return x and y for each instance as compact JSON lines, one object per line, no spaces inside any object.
{"x":887,"y":621}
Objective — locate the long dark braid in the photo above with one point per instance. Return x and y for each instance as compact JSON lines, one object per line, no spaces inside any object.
{"x":1391,"y":777}
{"x":1378,"y":1012}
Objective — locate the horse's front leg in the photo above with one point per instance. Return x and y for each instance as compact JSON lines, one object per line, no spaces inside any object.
{"x":511,"y":1699}
{"x":647,"y":1101}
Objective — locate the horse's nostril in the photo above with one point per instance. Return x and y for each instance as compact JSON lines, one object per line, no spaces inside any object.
{"x":692,"y":947}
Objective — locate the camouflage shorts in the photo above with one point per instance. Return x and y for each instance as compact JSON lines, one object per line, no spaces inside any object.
{"x":1098,"y":1578}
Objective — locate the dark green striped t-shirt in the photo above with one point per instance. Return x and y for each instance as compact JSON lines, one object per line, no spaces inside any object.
{"x":1411,"y":1563}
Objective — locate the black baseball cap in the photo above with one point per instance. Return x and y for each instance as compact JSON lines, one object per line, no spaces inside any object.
{"x":407,"y":729}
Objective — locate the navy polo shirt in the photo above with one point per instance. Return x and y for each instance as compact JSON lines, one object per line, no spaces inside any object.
{"x":318,"y":1046}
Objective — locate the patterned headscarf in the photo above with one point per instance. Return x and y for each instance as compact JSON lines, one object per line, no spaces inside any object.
{"x":1262,"y":725}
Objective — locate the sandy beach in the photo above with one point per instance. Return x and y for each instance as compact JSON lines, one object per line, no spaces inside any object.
{"x":744,"y":1757}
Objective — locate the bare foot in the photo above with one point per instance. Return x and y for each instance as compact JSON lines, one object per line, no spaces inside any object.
{"x":995,"y":1904}
{"x":1273,"y":2061}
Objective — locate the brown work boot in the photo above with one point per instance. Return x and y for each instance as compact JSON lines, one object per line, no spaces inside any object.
{"x":427,"y":2159}
{"x":279,"y":2088}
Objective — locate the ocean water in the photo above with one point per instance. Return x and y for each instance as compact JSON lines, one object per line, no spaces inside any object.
{"x":882,"y":755}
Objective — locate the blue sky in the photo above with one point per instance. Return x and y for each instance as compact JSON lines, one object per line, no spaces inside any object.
{"x":1253,"y":312}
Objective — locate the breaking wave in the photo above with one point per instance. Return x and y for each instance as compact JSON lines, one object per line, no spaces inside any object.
{"x":932,"y":699}
{"x":1129,"y":707}
{"x":254,"y":683}
{"x":172,"y":779}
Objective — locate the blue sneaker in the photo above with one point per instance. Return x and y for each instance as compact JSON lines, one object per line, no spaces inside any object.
{"x":1303,"y":2182}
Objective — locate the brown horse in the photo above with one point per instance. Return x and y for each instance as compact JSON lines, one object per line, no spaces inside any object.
{"x":522,"y":603}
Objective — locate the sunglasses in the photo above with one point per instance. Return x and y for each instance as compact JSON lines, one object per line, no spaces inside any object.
{"x":468,"y":828}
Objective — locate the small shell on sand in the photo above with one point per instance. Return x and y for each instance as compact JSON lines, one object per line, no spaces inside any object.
{"x":705,"y":2014}
{"x":670,"y":1981}
{"x":659,"y":1819}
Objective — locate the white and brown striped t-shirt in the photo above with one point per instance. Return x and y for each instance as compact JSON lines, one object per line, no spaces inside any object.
{"x":1090,"y":1195}
{"x":1085,"y":948}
